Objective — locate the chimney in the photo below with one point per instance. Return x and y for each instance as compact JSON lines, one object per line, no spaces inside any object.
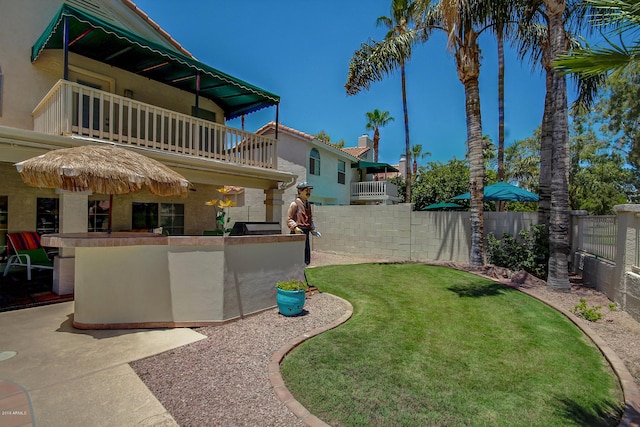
{"x":402,"y":165}
{"x":365,"y":141}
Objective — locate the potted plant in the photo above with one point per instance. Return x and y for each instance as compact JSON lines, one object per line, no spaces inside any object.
{"x":291,"y":296}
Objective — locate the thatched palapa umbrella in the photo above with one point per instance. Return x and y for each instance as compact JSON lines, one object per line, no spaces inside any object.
{"x":101,"y":168}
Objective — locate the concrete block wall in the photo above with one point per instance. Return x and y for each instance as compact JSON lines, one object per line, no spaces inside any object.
{"x":398,"y":232}
{"x":598,"y":274}
{"x":440,"y":236}
{"x":373,"y":230}
{"x":631,"y":294}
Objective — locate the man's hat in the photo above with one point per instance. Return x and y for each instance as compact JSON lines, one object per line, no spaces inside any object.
{"x":304,"y":185}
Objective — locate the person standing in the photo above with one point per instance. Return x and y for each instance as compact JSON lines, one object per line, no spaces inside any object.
{"x":300,"y":217}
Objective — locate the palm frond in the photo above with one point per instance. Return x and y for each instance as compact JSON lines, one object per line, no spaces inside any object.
{"x":375,"y":60}
{"x":599,"y":60}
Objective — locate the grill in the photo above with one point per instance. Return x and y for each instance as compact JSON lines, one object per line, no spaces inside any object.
{"x":255,"y":228}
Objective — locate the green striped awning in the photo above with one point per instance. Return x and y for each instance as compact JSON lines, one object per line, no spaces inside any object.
{"x":103,"y":41}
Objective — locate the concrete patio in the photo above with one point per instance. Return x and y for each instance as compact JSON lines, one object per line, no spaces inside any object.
{"x":73,"y":377}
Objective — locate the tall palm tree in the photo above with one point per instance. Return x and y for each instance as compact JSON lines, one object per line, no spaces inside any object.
{"x":416,"y":152}
{"x":460,"y":20}
{"x":400,"y":23}
{"x":503,"y":15}
{"x":551,"y":42}
{"x":376,"y":120}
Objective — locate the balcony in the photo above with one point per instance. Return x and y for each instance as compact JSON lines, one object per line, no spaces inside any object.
{"x":368,"y":192}
{"x":73,"y":109}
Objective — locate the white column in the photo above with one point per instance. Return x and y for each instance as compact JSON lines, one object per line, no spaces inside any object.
{"x":73,"y":208}
{"x":273,"y":205}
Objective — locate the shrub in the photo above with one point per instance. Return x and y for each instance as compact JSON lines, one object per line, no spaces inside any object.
{"x":530,"y":252}
{"x":592,"y":314}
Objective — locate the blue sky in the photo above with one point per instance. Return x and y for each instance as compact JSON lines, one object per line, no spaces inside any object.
{"x":300,"y":50}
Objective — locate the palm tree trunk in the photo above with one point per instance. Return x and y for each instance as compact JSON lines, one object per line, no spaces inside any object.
{"x":476,"y":172}
{"x":559,"y":246}
{"x":468,"y":66}
{"x":376,"y":140}
{"x":500,"y":35}
{"x":406,"y":134}
{"x":546,"y":153}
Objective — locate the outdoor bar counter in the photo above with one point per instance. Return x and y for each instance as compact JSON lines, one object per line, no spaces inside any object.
{"x":145,"y":280}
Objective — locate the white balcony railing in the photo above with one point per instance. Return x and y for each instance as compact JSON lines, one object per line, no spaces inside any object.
{"x":373,"y":190}
{"x":70,"y":108}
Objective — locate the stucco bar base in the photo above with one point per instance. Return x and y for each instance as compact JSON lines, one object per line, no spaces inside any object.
{"x":143,"y":280}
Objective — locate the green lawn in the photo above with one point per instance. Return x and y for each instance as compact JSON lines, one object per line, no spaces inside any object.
{"x":430,"y":345}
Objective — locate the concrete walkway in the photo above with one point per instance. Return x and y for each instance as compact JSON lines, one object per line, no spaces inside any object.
{"x":52,"y":374}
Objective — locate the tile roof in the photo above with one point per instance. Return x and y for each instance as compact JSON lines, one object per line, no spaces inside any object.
{"x":356,"y":151}
{"x":287,"y":129}
{"x":131,"y":5}
{"x":281,"y":127}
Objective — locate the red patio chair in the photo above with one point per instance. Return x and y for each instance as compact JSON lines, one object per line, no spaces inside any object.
{"x":25,"y":250}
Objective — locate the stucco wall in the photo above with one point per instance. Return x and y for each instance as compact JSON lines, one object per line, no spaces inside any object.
{"x":213,"y":280}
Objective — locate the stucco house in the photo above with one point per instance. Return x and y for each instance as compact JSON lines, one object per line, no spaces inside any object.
{"x":121,"y":79}
{"x":340,"y":176}
{"x":82,"y":72}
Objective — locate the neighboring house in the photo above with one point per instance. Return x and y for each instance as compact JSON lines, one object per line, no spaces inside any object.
{"x":93,"y":71}
{"x":333,"y":172}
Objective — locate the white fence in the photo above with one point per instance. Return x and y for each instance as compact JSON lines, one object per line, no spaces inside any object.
{"x":597,"y":236}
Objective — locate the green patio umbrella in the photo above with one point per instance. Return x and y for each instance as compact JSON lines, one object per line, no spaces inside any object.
{"x":503,"y":191}
{"x":442,"y":206}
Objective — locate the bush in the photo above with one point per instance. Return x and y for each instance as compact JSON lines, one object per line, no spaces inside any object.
{"x":530,"y":252}
{"x":592,"y":314}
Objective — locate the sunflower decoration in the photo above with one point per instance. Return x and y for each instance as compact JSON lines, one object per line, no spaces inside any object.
{"x":222,"y":218}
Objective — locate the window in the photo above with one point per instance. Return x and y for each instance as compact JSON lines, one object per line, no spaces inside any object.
{"x":144,"y":215}
{"x":342,"y":172}
{"x":4,"y":225}
{"x":169,"y":216}
{"x":47,"y":215}
{"x":314,"y":162}
{"x":172,"y":218}
{"x":98,"y":215}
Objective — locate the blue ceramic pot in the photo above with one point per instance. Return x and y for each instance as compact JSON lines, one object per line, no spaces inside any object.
{"x":290,"y":303}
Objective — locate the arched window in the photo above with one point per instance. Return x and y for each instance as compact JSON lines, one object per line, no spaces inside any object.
{"x":314,"y":162}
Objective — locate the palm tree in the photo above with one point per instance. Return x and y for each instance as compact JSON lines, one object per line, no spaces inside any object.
{"x":399,"y":23}
{"x":376,"y":120}
{"x":459,"y":19}
{"x":551,"y":41}
{"x":503,"y":13}
{"x":416,"y":152}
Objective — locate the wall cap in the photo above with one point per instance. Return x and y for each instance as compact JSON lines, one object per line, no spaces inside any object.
{"x":626,"y":208}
